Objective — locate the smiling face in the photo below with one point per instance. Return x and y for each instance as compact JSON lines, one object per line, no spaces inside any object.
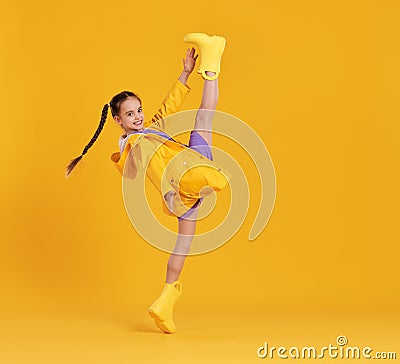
{"x":130,"y":116}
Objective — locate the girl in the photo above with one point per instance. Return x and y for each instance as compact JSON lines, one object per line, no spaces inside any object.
{"x":126,"y":109}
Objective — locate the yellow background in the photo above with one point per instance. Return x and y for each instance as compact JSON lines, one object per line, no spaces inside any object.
{"x":317,"y":80}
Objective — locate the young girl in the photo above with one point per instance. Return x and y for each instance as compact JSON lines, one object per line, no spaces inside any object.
{"x":126,"y":109}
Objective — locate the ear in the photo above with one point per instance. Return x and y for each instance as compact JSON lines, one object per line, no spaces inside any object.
{"x":117,"y":119}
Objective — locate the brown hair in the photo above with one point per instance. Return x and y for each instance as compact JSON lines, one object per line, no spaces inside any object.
{"x":114,"y":104}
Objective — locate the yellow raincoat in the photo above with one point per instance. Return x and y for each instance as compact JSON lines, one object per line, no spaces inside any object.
{"x":170,"y":165}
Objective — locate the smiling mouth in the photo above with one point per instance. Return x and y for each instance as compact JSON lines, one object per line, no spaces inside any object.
{"x":137,"y":122}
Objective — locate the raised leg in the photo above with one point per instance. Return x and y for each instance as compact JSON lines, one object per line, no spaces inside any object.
{"x":205,"y":114}
{"x":204,"y":117}
{"x":187,"y":228}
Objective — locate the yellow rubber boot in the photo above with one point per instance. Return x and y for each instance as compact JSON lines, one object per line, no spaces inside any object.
{"x":162,"y":309}
{"x":211,"y":49}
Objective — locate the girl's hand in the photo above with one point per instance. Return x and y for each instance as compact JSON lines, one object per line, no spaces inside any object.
{"x":169,"y":198}
{"x":190,"y":61}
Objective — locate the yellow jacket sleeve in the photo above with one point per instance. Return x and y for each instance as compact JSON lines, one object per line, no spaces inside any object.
{"x":170,"y":105}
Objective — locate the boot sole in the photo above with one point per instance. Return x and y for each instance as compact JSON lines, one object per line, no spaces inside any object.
{"x":160,"y":323}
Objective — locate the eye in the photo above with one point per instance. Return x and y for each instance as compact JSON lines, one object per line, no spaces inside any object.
{"x":129,"y":114}
{"x":140,"y":109}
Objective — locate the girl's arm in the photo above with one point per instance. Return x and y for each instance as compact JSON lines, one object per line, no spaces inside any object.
{"x":188,"y":65}
{"x":177,"y":94}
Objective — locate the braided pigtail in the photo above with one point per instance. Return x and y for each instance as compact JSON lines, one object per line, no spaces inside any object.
{"x":75,"y":161}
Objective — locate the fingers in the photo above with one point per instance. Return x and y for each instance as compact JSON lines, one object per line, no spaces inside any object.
{"x":190,"y":59}
{"x":190,"y":52}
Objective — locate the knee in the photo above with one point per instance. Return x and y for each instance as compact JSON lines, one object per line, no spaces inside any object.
{"x":182,"y":246}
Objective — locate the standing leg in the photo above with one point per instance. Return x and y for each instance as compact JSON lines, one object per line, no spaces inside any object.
{"x":186,"y":230}
{"x":162,"y":309}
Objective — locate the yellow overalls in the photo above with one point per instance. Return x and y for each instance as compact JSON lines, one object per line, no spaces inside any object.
{"x":185,"y":170}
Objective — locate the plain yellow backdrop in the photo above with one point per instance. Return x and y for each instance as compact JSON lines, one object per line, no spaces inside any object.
{"x":317,"y":80}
